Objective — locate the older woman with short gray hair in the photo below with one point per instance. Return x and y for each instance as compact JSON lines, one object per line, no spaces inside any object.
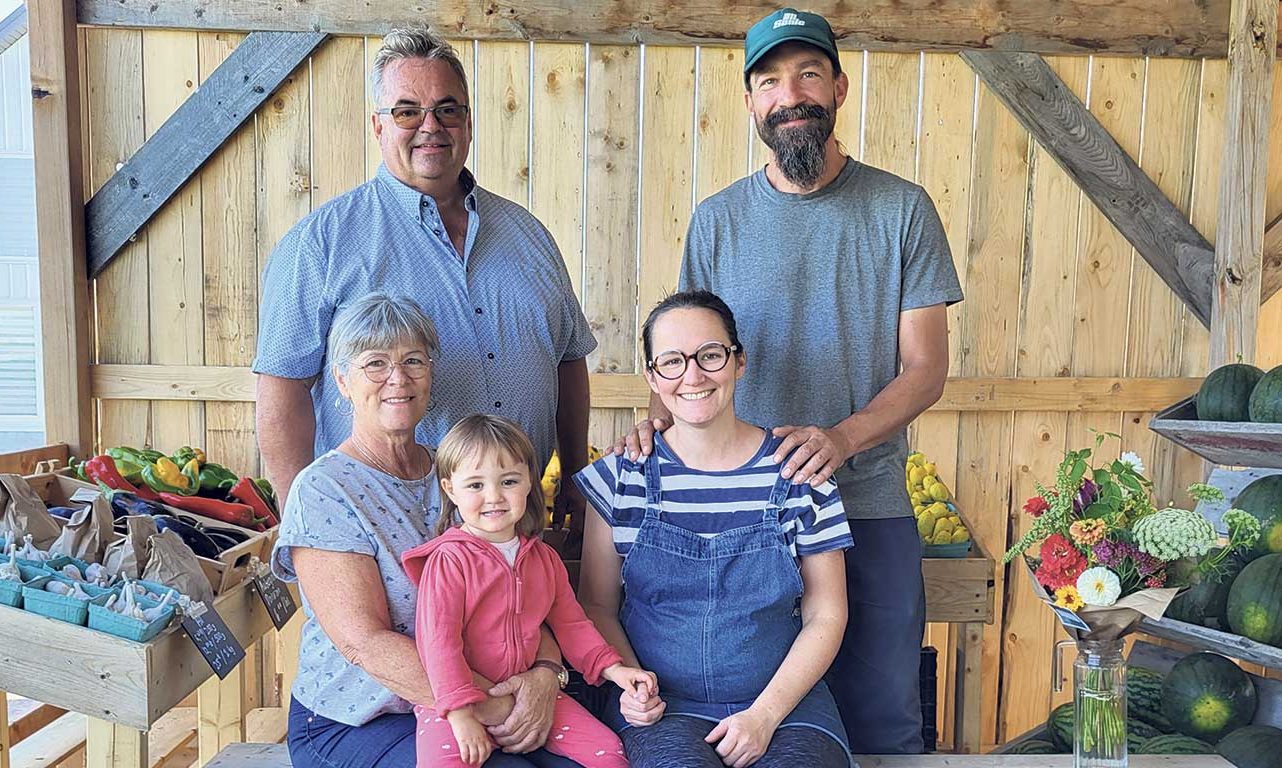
{"x":348,"y":517}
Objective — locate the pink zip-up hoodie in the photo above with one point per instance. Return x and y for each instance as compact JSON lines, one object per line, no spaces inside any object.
{"x":477,"y":613}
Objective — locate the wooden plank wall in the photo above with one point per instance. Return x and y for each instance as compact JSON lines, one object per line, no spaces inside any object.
{"x":612,"y":146}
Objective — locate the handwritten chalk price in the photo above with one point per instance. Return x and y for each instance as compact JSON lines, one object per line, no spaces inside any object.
{"x":275,"y":595}
{"x":212,"y":638}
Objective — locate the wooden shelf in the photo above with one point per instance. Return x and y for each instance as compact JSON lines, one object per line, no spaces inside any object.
{"x":1226,"y":643}
{"x":106,"y":677}
{"x":1230,"y":443}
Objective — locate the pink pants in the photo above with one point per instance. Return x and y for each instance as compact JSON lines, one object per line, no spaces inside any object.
{"x":575,"y":734}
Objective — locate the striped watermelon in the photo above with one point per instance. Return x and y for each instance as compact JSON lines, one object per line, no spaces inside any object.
{"x":1031,"y":747}
{"x":1255,"y":601}
{"x":1144,"y":697}
{"x":1206,"y":696}
{"x":1263,"y":499}
{"x":1254,"y":746}
{"x":1174,"y":744}
{"x":1265,"y":405}
{"x":1226,"y":393}
{"x":1060,"y":727}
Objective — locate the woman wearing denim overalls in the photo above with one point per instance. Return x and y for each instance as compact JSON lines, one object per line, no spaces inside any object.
{"x":707,"y":567}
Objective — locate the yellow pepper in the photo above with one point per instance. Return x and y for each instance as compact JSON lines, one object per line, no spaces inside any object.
{"x":171,"y":474}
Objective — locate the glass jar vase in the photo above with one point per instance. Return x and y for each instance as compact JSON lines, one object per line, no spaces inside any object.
{"x":1099,"y":705}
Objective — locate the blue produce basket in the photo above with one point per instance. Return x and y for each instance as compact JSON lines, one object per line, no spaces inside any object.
{"x":11,"y":591}
{"x":62,"y":607}
{"x":154,"y":587}
{"x":56,"y":563}
{"x":106,"y":620}
{"x":960,"y":549}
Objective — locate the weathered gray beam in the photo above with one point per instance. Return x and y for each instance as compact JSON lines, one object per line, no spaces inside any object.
{"x":1189,"y":28}
{"x":189,"y":137}
{"x":1053,"y":114}
{"x":1271,"y":269}
{"x":13,"y":27}
{"x":1239,"y":239}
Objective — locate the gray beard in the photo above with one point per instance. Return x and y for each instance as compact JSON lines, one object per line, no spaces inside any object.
{"x":799,"y":152}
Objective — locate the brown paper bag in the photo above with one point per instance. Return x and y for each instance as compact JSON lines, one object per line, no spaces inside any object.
{"x":173,"y":564}
{"x":22,"y":512}
{"x":1107,"y":622}
{"x":87,"y":534}
{"x":128,"y":556}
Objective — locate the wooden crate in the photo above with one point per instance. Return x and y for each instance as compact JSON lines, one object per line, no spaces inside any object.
{"x":106,"y":677}
{"x":1231,"y":443}
{"x":229,"y":569}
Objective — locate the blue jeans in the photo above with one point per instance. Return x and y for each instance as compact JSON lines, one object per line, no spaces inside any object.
{"x":387,"y":741}
{"x":875,"y":675}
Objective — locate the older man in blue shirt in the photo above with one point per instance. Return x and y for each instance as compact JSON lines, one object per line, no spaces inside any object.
{"x":488,"y":274}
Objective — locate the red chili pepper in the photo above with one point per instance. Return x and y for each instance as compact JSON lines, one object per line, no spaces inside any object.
{"x":247,"y":493}
{"x":223,"y":511}
{"x":102,"y":469}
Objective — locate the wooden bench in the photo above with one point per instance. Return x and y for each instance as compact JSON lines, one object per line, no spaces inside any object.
{"x":277,"y":756}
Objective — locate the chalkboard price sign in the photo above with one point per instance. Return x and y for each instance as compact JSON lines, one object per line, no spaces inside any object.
{"x":276,"y":597}
{"x":213,"y":639}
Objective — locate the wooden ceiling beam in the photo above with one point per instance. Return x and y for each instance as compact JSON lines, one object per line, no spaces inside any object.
{"x":1185,"y":28}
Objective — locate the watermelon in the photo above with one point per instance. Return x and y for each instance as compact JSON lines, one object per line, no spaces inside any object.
{"x":1205,"y":602}
{"x":1263,"y":499}
{"x":1254,"y":746}
{"x":1138,"y":732}
{"x":1255,"y":601}
{"x":1144,"y":697}
{"x":1060,"y":727}
{"x":1265,"y":404}
{"x":1226,"y":393}
{"x":1174,"y":744}
{"x":1206,"y":696}
{"x":1031,"y":747}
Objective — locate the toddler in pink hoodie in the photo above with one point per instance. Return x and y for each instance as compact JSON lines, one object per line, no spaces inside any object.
{"x":486,"y":588}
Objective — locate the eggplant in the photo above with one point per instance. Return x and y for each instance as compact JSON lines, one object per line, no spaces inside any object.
{"x":237,"y":537}
{"x":124,"y":503}
{"x":64,"y":512}
{"x":192,"y":536}
{"x":222,"y":540}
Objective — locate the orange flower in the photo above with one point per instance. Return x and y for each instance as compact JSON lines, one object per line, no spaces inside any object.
{"x":1088,"y":531}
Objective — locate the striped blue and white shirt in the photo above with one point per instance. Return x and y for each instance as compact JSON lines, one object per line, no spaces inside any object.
{"x":708,"y":503}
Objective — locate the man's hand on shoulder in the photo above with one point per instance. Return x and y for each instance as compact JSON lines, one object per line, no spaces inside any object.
{"x":640,"y":441}
{"x":818,"y":452}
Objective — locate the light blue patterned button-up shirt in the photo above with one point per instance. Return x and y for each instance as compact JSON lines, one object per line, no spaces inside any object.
{"x":506,"y":313}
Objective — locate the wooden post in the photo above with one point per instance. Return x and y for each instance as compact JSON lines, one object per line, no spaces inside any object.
{"x":112,"y":745}
{"x":5,"y":746}
{"x":968,"y":715}
{"x":220,"y":719}
{"x":1239,"y":245}
{"x":64,"y":288}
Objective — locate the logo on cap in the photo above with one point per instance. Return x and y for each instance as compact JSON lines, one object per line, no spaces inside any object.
{"x":788,"y":20}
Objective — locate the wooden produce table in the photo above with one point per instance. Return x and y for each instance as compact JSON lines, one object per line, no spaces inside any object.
{"x":124,"y":687}
{"x":960,"y":591}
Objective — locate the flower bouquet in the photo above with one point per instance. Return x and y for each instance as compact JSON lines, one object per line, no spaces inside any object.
{"x":1104,"y":557}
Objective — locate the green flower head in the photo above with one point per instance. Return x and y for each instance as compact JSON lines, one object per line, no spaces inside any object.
{"x":1244,"y":528}
{"x":1171,"y":534}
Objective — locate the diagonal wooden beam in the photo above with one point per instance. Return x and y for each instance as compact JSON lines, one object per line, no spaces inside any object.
{"x":1190,"y":28}
{"x":1053,"y":114}
{"x":1271,"y":271}
{"x":189,"y":137}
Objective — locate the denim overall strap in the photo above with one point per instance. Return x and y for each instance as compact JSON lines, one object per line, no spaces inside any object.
{"x":653,"y":493}
{"x":778,"y":497}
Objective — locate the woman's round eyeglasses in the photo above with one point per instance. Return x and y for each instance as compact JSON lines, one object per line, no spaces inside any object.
{"x":411,"y":117}
{"x":710,"y":357}
{"x":380,"y":369}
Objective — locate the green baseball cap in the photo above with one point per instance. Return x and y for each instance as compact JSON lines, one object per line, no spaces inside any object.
{"x":784,"y":25}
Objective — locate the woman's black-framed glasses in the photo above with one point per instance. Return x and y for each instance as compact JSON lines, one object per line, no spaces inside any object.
{"x":411,"y":117}
{"x":380,"y":369}
{"x":710,"y":357}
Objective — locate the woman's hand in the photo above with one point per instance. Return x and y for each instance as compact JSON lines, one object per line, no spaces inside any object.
{"x":641,"y":707}
{"x":526,"y":728}
{"x":744,"y":737}
{"x":474,"y":745}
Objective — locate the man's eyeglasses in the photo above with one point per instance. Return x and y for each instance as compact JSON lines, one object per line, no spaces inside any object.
{"x":710,"y":357}
{"x":380,"y":369}
{"x":411,"y":117}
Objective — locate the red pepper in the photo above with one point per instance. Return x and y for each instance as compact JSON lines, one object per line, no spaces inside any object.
{"x":223,"y":511}
{"x":102,"y":469}
{"x":247,"y":493}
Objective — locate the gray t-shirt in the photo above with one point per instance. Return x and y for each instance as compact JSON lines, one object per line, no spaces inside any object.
{"x":339,"y":504}
{"x":816,"y":283}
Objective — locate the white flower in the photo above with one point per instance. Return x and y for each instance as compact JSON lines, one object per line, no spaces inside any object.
{"x":1099,"y":586}
{"x":1132,"y":459}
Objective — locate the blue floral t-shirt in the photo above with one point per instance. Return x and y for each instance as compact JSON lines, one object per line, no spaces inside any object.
{"x":338,"y":504}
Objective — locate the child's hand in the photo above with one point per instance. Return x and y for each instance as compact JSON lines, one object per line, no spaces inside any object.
{"x":638,"y":682}
{"x":474,"y":745}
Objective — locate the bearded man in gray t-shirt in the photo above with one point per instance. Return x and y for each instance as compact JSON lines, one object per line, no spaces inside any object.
{"x":838,"y":275}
